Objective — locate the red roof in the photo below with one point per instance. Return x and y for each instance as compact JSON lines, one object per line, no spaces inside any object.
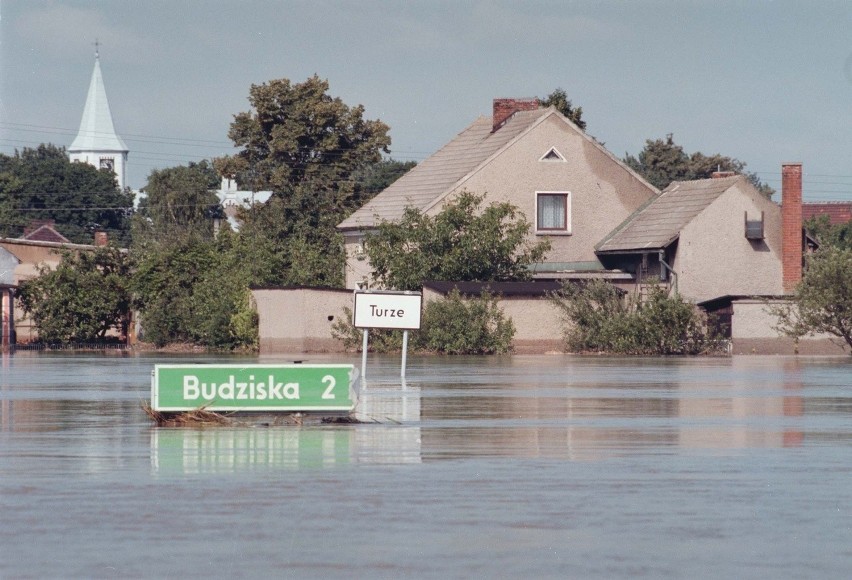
{"x":43,"y":231}
{"x":838,"y":212}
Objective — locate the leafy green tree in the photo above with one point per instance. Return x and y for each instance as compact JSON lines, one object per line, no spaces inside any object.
{"x":663,"y":161}
{"x":559,"y":99}
{"x":838,"y":235}
{"x":309,"y":149}
{"x":823,"y":299}
{"x":42,"y":184}
{"x":376,"y":177}
{"x":83,"y":299}
{"x":465,"y":241}
{"x":179,"y":203}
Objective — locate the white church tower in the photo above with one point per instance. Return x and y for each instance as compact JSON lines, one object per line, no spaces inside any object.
{"x":97,"y":142}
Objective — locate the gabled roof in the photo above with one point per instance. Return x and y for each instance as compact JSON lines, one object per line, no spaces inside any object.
{"x":44,"y":232}
{"x":439,"y":173}
{"x":838,"y":212}
{"x":658,"y":223}
{"x":97,"y":132}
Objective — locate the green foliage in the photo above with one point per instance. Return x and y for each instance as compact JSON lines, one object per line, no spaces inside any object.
{"x":196,"y":291}
{"x":559,"y":99}
{"x":454,"y":325}
{"x":464,"y":242}
{"x":823,"y":299}
{"x":465,"y":326}
{"x":314,"y":152}
{"x":598,"y":319}
{"x":374,"y":178}
{"x":662,"y":161}
{"x":42,"y":184}
{"x":179,"y":204}
{"x":84,"y":298}
{"x":837,"y":236}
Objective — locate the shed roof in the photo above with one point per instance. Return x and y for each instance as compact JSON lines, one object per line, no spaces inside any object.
{"x":658,"y":223}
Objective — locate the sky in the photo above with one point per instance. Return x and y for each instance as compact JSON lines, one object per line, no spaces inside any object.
{"x":765,"y":81}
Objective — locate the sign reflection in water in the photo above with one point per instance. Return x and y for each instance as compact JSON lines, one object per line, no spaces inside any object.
{"x":393,"y":437}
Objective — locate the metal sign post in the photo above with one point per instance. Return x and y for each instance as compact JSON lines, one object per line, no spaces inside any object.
{"x":386,"y":309}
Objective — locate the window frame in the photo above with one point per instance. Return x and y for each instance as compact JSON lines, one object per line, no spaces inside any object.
{"x":539,"y":229}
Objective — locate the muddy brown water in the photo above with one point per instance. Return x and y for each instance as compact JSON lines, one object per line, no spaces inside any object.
{"x":525,"y":466}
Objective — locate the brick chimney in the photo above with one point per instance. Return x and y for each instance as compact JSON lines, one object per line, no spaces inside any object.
{"x":101,"y":238}
{"x":791,"y":225}
{"x":505,"y":108}
{"x":721,"y":174}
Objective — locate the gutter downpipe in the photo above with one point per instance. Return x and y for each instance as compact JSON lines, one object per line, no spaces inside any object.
{"x":662,"y":258}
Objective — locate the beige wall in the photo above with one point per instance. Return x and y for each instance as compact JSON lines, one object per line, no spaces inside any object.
{"x":603,"y":192}
{"x":299,"y":320}
{"x":753,"y":332}
{"x":714,"y":258}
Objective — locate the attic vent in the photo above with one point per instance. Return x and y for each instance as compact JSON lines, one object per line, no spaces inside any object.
{"x":754,"y":228}
{"x":552,"y":155}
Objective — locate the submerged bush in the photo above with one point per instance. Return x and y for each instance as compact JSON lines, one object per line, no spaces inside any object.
{"x":598,"y":319}
{"x":454,"y":325}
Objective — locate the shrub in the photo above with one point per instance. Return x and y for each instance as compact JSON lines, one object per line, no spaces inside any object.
{"x":598,"y":319}
{"x":454,"y":325}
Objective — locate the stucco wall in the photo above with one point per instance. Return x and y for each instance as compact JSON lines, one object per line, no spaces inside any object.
{"x":299,"y":320}
{"x":753,"y":332}
{"x":714,"y":258}
{"x":603,"y":192}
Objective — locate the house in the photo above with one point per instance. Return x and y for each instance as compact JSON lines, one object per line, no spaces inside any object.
{"x":20,"y":259}
{"x":718,"y":242}
{"x":8,"y":263}
{"x":573,"y":190}
{"x":838,"y":212}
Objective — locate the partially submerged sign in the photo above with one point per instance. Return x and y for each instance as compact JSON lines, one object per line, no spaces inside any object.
{"x":297,"y":387}
{"x":400,"y":310}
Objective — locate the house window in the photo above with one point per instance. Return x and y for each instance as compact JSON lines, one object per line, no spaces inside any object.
{"x":553,"y":212}
{"x":552,"y":155}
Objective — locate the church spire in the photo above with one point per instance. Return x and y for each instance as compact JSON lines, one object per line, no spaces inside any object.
{"x":97,"y":143}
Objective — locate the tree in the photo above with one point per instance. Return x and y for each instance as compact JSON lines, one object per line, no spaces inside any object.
{"x":838,"y":235}
{"x":662,"y":161}
{"x":83,"y":299}
{"x":376,"y":177}
{"x":823,"y":299}
{"x":559,"y":99}
{"x":463,"y":242}
{"x":42,"y":184}
{"x":310,"y":149}
{"x":179,"y":203}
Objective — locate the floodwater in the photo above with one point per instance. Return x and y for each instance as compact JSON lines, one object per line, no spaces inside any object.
{"x":521,"y":467}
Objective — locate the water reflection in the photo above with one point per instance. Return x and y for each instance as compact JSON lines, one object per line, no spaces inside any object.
{"x":391,"y":434}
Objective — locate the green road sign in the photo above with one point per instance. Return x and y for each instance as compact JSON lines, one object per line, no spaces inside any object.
{"x":298,"y":387}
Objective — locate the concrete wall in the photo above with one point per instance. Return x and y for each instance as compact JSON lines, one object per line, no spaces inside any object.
{"x":753,"y":332}
{"x":714,"y":258}
{"x":299,"y":320}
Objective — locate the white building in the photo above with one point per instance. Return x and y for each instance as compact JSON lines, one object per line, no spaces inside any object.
{"x":97,"y":143}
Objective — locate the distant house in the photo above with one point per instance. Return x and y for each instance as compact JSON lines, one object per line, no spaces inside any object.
{"x":838,"y":212}
{"x":232,"y":198}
